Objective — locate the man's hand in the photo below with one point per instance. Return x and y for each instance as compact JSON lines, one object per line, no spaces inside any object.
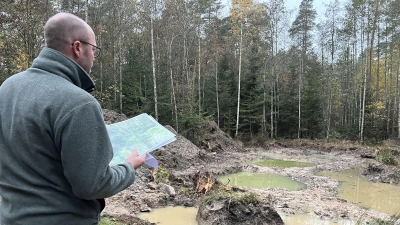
{"x":135,"y":160}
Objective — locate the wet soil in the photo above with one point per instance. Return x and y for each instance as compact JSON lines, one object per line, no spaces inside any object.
{"x":222,"y":155}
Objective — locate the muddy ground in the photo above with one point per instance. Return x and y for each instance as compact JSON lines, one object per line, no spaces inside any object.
{"x":221,"y":155}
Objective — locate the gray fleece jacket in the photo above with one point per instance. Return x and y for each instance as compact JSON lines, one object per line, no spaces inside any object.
{"x":54,"y":147}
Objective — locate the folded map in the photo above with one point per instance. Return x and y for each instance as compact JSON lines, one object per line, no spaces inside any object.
{"x":142,"y":133}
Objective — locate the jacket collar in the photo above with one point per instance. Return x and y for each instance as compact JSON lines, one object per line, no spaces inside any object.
{"x":55,"y":62}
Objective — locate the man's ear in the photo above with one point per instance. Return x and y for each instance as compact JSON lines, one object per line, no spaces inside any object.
{"x":77,"y":49}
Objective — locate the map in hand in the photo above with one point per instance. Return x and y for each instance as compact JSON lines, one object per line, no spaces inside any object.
{"x":141,"y":132}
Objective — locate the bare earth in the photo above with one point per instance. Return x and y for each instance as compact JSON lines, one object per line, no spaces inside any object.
{"x":320,"y":196}
{"x":221,"y":155}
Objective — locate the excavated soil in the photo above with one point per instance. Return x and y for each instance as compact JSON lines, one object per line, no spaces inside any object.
{"x":222,"y":155}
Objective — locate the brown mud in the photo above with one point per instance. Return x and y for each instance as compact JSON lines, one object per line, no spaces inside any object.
{"x":222,"y":155}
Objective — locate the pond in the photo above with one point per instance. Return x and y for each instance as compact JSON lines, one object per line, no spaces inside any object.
{"x":356,"y":189}
{"x":262,"y":180}
{"x":181,"y":216}
{"x":187,"y":216}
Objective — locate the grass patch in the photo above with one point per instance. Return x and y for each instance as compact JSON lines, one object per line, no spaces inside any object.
{"x":121,"y":220}
{"x":183,"y":191}
{"x":245,"y":198}
{"x":107,"y":221}
{"x":386,"y":156}
{"x":379,"y":221}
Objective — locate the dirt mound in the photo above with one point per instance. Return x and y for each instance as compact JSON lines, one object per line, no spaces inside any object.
{"x":113,"y":117}
{"x":381,"y":173}
{"x":228,"y":211}
{"x":218,"y":140}
{"x":179,"y":154}
{"x":182,"y":157}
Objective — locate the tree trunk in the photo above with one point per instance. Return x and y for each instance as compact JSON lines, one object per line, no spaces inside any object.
{"x":114,"y":74}
{"x":397,"y":96}
{"x":299,"y":93}
{"x":240,"y":71}
{"x":172,"y":86}
{"x":120,"y":74}
{"x":199,"y":76}
{"x":154,"y":67}
{"x":216,"y":90}
{"x":364,"y":83}
{"x":87,"y":11}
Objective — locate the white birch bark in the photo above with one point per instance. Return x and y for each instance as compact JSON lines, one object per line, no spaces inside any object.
{"x":397,"y":97}
{"x":240,"y":70}
{"x":120,"y":73}
{"x":154,"y":67}
{"x":172,"y":85}
{"x":216,"y":90}
{"x":199,"y":76}
{"x":299,"y":103}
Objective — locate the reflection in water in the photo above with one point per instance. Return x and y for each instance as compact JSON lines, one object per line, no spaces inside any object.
{"x":262,"y":180}
{"x":308,"y":219}
{"x":282,"y":163}
{"x":356,"y":189}
{"x":178,"y":215}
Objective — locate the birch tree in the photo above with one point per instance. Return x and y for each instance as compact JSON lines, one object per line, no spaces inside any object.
{"x":277,"y":13}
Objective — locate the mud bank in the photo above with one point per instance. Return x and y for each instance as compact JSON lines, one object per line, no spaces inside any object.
{"x":222,"y":155}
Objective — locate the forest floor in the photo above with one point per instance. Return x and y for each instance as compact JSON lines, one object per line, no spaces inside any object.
{"x":221,"y":155}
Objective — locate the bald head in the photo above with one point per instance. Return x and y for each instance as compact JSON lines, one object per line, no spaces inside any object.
{"x":64,"y":28}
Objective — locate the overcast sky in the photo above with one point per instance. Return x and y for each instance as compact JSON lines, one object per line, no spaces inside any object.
{"x":319,"y":5}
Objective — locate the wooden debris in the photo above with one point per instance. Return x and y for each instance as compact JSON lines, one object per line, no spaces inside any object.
{"x":204,"y":183}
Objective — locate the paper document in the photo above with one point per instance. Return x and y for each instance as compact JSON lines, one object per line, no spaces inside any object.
{"x":141,"y":132}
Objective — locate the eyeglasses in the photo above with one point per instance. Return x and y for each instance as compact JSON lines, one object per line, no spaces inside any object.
{"x":96,"y":51}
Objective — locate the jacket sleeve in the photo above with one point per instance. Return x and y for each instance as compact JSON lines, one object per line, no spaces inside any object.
{"x":86,"y":152}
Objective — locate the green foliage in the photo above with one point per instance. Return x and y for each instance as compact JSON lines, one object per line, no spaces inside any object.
{"x":162,"y":176}
{"x":312,"y":116}
{"x":107,"y":221}
{"x":227,"y":93}
{"x":378,"y":221}
{"x":386,"y":156}
{"x":303,"y":24}
{"x":111,"y":221}
{"x":245,"y":198}
{"x":182,"y":29}
{"x":251,"y":107}
{"x":288,"y":107}
{"x":194,"y":127}
{"x":250,"y":198}
{"x":375,"y":122}
{"x":137,"y":86}
{"x":183,"y":191}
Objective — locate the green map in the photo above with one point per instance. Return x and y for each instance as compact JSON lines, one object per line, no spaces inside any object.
{"x":141,"y":132}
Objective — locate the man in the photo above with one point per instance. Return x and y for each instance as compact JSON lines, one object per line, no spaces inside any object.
{"x":54,"y":146}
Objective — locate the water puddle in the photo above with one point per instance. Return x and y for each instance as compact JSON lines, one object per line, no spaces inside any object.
{"x":177,"y":215}
{"x":282,"y":163}
{"x":307,"y":219}
{"x":187,"y":216}
{"x":262,"y":180}
{"x":356,"y":189}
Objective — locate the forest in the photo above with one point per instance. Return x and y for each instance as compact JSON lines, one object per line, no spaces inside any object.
{"x":260,"y":70}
